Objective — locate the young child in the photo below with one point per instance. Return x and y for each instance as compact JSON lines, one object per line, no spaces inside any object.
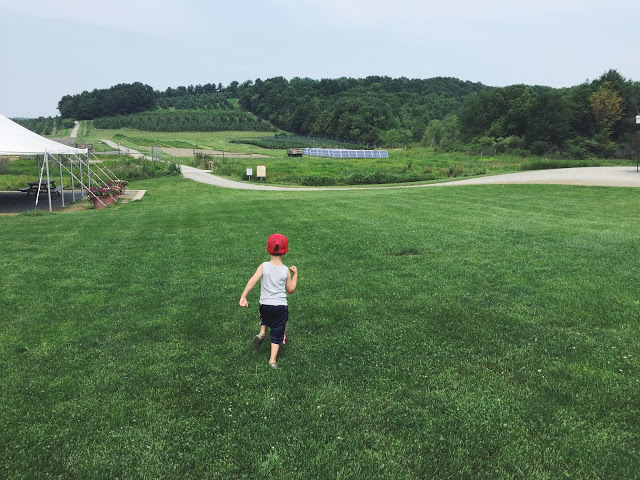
{"x":274,"y":286}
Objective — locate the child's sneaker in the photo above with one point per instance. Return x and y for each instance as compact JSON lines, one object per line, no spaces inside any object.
{"x":257,"y":340}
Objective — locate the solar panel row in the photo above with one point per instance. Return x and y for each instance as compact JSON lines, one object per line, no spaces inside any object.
{"x":340,"y":153}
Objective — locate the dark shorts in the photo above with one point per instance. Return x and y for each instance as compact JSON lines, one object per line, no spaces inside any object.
{"x":275,"y":317}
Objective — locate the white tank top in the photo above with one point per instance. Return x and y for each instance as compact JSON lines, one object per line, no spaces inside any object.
{"x":273,"y":284}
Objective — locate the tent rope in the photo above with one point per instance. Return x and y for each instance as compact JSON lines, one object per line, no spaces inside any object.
{"x":39,"y":185}
{"x":113,"y":175}
{"x":82,"y":184}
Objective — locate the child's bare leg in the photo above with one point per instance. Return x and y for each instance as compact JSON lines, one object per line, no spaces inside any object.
{"x":257,"y":340}
{"x":274,"y":352}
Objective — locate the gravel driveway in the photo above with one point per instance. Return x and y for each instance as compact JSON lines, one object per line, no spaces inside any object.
{"x":591,"y":176}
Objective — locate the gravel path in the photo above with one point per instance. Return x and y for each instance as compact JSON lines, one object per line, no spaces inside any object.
{"x":591,"y":176}
{"x":74,"y":132}
{"x":124,"y":150}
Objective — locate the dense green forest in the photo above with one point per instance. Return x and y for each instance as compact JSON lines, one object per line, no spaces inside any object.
{"x":595,"y":118}
{"x":373,"y":110}
{"x":126,"y":99}
{"x":120,"y":99}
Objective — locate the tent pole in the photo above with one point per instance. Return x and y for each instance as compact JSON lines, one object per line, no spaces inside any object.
{"x":46,"y":159}
{"x":73,"y":191}
{"x":39,"y":179}
{"x":81,"y":178}
{"x":61,"y":182}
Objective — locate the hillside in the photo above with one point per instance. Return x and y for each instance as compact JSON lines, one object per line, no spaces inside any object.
{"x":594,"y":119}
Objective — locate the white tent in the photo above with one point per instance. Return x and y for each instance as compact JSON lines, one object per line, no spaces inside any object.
{"x":17,"y":140}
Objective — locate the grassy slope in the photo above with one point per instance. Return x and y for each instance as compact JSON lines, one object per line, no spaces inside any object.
{"x":485,"y":332}
{"x":413,"y":164}
{"x":143,"y":141}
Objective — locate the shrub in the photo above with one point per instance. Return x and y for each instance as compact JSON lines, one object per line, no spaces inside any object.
{"x":316,"y":181}
{"x":139,"y":169}
{"x":382,"y":177}
{"x":509,"y":144}
{"x":547,"y":163}
{"x":541,"y":148}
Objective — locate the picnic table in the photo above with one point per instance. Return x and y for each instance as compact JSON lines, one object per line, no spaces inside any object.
{"x":44,"y":185}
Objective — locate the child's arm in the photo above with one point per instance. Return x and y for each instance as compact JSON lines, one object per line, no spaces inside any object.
{"x":250,"y":284}
{"x":292,"y":281}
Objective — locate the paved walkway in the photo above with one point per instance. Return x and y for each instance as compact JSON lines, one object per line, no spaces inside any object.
{"x":125,"y":150}
{"x":590,"y":176}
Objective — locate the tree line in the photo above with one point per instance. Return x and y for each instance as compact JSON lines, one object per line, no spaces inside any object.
{"x":45,"y":125}
{"x":125,"y":99}
{"x":121,"y":99}
{"x":594,"y":118}
{"x":361,"y":110}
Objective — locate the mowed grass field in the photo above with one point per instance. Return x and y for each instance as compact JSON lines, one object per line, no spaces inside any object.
{"x":416,"y":164}
{"x":143,"y":140}
{"x":443,"y":332}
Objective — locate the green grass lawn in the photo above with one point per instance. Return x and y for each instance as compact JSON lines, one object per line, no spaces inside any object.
{"x":416,"y":164}
{"x":444,"y":332}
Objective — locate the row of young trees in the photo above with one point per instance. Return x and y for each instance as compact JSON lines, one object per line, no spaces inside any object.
{"x":45,"y":125}
{"x":186,"y":121}
{"x":204,"y":101}
{"x":230,"y":90}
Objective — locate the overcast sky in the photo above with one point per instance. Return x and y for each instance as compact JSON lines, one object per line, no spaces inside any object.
{"x":54,"y":48}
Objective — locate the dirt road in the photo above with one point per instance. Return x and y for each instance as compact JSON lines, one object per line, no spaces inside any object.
{"x":74,"y":132}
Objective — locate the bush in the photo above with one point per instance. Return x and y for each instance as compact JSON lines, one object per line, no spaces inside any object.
{"x":509,"y":144}
{"x":382,"y":177}
{"x":546,"y":164}
{"x":139,"y":169}
{"x":541,"y":148}
{"x":315,"y":181}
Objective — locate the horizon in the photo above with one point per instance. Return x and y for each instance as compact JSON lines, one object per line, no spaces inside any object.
{"x":289,"y":79}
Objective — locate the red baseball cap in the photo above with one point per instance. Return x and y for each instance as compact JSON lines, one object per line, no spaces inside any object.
{"x":277,"y":243}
